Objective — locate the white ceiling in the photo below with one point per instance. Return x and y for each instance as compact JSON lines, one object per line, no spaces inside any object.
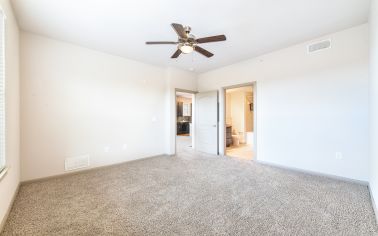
{"x":252,"y":27}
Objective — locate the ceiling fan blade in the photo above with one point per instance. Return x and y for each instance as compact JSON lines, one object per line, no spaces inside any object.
{"x":161,"y":42}
{"x":203,"y":51}
{"x":180,"y":31}
{"x":176,"y":54}
{"x":210,"y":39}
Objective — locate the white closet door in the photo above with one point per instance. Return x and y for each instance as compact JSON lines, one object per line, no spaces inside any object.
{"x":207,"y":122}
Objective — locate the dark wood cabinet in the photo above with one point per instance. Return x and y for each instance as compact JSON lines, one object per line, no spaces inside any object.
{"x":179,"y":108}
{"x":183,"y":109}
{"x":228,"y":136}
{"x":183,"y":127}
{"x":183,"y":113}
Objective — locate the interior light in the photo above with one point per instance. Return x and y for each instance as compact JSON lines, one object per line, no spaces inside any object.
{"x":186,"y":48}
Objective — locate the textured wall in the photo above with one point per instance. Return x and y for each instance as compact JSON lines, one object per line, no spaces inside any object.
{"x":309,"y":106}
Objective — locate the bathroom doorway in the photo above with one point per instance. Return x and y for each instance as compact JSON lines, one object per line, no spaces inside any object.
{"x":239,"y":122}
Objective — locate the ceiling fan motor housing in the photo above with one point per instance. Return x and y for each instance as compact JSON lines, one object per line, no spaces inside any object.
{"x":187,"y":29}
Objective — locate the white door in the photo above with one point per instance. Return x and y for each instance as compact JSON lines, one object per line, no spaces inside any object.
{"x":207,"y":122}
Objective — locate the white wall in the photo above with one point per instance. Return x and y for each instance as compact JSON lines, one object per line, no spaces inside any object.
{"x":237,"y":111}
{"x":228,"y":120}
{"x":77,"y":101}
{"x":374,"y":100}
{"x":308,"y":106}
{"x":9,"y":183}
{"x":248,"y":113}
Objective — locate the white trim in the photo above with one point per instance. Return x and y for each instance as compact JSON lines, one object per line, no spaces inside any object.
{"x":4,"y":220}
{"x":3,"y":161}
{"x":373,"y":204}
{"x":80,"y":171}
{"x":3,"y":173}
{"x":309,"y":172}
{"x":3,"y":12}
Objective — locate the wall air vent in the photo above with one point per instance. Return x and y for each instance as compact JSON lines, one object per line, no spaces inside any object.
{"x":77,"y":162}
{"x":318,"y":46}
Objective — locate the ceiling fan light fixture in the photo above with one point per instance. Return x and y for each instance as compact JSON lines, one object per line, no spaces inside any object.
{"x":188,"y":43}
{"x":186,"y":48}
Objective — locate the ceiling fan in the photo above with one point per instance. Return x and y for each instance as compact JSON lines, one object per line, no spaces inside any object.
{"x":188,"y":43}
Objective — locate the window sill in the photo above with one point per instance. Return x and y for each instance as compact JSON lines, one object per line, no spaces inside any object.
{"x":3,"y":173}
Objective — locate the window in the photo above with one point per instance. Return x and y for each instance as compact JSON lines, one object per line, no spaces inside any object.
{"x":2,"y":91}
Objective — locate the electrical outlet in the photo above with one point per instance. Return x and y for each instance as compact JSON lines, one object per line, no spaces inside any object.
{"x":124,"y":146}
{"x":338,"y":156}
{"x":107,"y":149}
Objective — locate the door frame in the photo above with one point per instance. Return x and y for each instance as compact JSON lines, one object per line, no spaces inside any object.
{"x":254,"y":92}
{"x":193,"y":115}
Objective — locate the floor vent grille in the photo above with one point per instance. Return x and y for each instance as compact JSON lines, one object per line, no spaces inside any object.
{"x":78,"y":162}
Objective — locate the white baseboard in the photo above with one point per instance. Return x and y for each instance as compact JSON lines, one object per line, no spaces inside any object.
{"x":373,"y":204}
{"x":2,"y":223}
{"x":360,"y":182}
{"x":86,"y":170}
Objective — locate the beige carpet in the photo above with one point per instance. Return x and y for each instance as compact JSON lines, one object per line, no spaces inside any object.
{"x":192,"y":194}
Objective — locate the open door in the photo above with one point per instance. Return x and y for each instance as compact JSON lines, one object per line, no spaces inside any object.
{"x":207,"y":122}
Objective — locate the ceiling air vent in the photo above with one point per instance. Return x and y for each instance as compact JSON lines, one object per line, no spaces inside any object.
{"x":77,"y":162}
{"x":318,"y":46}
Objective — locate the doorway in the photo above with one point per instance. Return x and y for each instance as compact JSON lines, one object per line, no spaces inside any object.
{"x":184,"y":121}
{"x":240,"y":122}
